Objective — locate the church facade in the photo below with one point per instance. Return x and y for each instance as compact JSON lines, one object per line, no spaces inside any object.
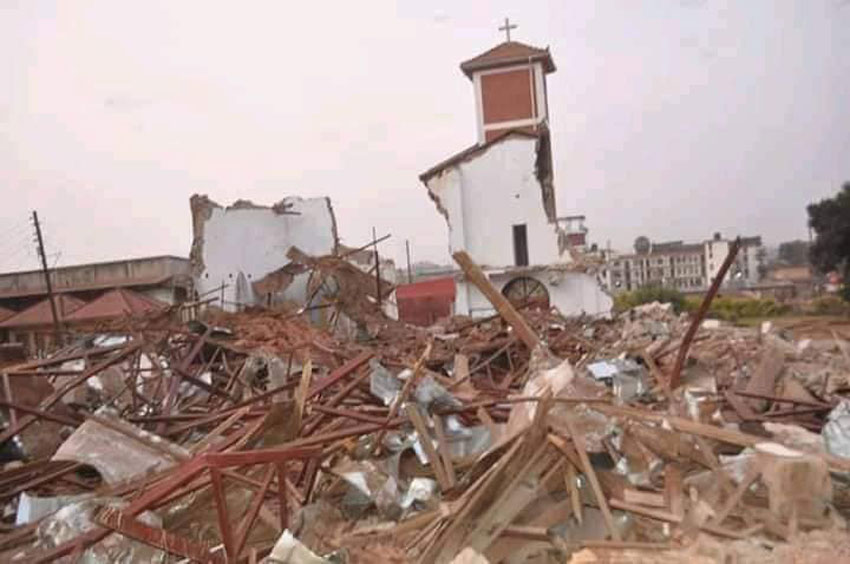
{"x":498,"y":195}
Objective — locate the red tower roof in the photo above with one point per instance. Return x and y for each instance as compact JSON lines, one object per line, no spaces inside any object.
{"x":508,"y":53}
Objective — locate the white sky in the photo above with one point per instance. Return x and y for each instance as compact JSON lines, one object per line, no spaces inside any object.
{"x":669,"y":119}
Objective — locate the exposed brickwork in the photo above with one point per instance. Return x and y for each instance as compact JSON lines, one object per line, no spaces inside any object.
{"x":507,"y":95}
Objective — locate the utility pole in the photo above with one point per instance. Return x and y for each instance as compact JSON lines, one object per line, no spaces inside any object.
{"x":377,"y":267}
{"x":407,"y":249}
{"x":57,"y":329}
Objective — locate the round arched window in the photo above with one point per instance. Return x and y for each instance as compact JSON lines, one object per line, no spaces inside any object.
{"x":527,"y":292}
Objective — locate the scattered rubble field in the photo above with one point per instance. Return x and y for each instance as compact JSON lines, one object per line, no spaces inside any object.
{"x":523,"y":437}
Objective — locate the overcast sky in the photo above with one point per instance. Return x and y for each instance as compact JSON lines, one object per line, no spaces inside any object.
{"x":671,"y":119}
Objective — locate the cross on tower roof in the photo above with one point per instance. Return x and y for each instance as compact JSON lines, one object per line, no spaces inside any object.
{"x":507,"y":28}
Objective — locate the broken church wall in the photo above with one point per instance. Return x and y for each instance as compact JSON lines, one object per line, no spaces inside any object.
{"x":486,"y":195}
{"x":240,"y":244}
{"x":573,"y":293}
{"x":482,"y":198}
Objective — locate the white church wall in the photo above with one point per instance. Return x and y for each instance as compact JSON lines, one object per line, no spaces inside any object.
{"x":573,"y":293}
{"x":253,"y":240}
{"x":489,"y":194}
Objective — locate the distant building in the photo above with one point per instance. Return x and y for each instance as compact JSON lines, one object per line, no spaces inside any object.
{"x":746,"y":270}
{"x":364,"y":259}
{"x":98,"y":291}
{"x":672,"y":264}
{"x":163,"y":278}
{"x":34,"y":327}
{"x":688,"y":267}
{"x":799,"y":278}
{"x":425,"y":302}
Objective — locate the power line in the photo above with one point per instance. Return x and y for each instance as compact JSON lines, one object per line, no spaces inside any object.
{"x":13,"y":246}
{"x":19,"y":226}
{"x":16,"y":240}
{"x":15,"y":256}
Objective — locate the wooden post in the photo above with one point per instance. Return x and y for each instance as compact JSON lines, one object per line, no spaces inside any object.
{"x":508,"y":312}
{"x":703,"y":309}
{"x":407,"y":250}
{"x":57,"y":329}
{"x":377,"y":269}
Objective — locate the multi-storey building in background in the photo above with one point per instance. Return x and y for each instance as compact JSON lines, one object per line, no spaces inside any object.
{"x":688,"y":267}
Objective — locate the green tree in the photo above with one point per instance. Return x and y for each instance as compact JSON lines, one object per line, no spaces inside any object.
{"x":830,"y":219}
{"x":794,"y":253}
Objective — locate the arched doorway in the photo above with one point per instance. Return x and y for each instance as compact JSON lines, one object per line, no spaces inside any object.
{"x":527,"y":292}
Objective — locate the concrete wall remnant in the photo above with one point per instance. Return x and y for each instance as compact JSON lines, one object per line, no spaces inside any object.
{"x":238,"y":245}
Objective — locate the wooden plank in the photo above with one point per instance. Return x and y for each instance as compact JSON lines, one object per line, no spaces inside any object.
{"x":652,"y":499}
{"x":588,"y":471}
{"x":428,"y":446}
{"x":713,"y":462}
{"x":301,"y":393}
{"x":526,"y":532}
{"x":7,"y":393}
{"x":709,"y":431}
{"x":671,"y":518}
{"x":572,"y":488}
{"x":445,"y":453}
{"x":624,"y":545}
{"x":517,"y":322}
{"x":751,"y":476}
{"x":763,"y":380}
{"x":485,"y":418}
{"x":512,"y":496}
{"x":473,"y":501}
{"x":673,"y":490}
{"x":402,"y":397}
{"x":741,"y":407}
{"x":658,"y":514}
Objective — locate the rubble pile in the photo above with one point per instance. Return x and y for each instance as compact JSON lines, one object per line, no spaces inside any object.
{"x":524,"y":437}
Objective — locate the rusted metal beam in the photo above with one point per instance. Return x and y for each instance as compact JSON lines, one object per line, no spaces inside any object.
{"x":175,"y":479}
{"x":253,"y":510}
{"x":675,"y":375}
{"x":349,"y":413}
{"x":14,"y":475}
{"x":61,"y":359}
{"x":41,"y":480}
{"x":51,"y":400}
{"x":310,"y":427}
{"x":229,"y":411}
{"x":55,"y":417}
{"x":262,"y":456}
{"x":221,"y":511}
{"x":115,"y":520}
{"x":282,"y":496}
{"x":339,"y":374}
